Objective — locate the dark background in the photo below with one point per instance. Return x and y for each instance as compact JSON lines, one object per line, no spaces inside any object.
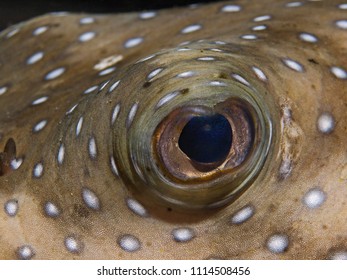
{"x":14,"y":11}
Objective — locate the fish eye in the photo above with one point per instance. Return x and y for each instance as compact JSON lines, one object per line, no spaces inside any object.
{"x":196,"y":143}
{"x":198,"y":156}
{"x":208,"y":155}
{"x":194,"y":147}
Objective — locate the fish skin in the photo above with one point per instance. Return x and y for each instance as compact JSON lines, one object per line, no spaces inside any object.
{"x":297,"y":99}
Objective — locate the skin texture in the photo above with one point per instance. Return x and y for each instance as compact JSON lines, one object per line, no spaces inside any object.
{"x":71,"y":202}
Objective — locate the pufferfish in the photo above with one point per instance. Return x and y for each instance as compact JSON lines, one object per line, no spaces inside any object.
{"x":215,"y":131}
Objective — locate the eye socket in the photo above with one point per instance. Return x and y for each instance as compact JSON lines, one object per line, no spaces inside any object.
{"x":198,"y":143}
{"x":197,"y":156}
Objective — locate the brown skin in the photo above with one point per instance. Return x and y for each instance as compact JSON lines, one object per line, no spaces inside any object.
{"x":318,"y":160}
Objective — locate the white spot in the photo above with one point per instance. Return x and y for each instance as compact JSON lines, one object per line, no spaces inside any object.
{"x":55,"y":73}
{"x":167,"y":98}
{"x":107,"y":71}
{"x":341,"y":24}
{"x":184,"y":49}
{"x":294,"y":65}
{"x":194,"y":6}
{"x":307,"y":37}
{"x":38,"y":170}
{"x":16,"y":163}
{"x":114,"y":86}
{"x":294,"y":4}
{"x":87,"y":36}
{"x":240,"y":79}
{"x":136,"y":207}
{"x":342,"y":6}
{"x":108,"y":62}
{"x":242,"y":215}
{"x":40,"y":125}
{"x":133,"y":42}
{"x":231,"y":8}
{"x":129,"y":243}
{"x":249,"y":37}
{"x":147,"y":15}
{"x":115,"y":113}
{"x":260,"y":74}
{"x":90,"y":199}
{"x":60,"y":13}
{"x":191,"y":28}
{"x":79,"y":126}
{"x":186,"y":74}
{"x":262,"y":18}
{"x":154,"y":73}
{"x":103,"y":85}
{"x":220,"y":43}
{"x":40,"y":30}
{"x":314,"y":198}
{"x":40,"y":100}
{"x":114,"y":166}
{"x":25,"y":252}
{"x":146,"y":58}
{"x":216,"y":50}
{"x":51,"y":210}
{"x":339,"y":72}
{"x":183,"y":234}
{"x":339,"y":256}
{"x":217,"y":83}
{"x":90,"y":89}
{"x":206,"y":58}
{"x":3,"y":90}
{"x":12,"y":33}
{"x":61,"y":154}
{"x":92,"y":148}
{"x":277,"y":243}
{"x":132,"y":114}
{"x":71,"y":109}
{"x":11,"y":207}
{"x":185,"y":43}
{"x":326,"y":123}
{"x":73,"y":245}
{"x":87,"y":20}
{"x":35,"y":58}
{"x":259,"y":27}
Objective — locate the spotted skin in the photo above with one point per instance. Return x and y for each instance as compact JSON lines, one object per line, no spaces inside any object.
{"x":72,"y":87}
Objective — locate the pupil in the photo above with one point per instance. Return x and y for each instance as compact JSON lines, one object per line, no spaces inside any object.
{"x":206,"y":139}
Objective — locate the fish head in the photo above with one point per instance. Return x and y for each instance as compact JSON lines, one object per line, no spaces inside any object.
{"x":197,"y":141}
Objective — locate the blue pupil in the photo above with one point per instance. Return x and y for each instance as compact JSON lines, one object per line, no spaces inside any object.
{"x":206,"y":139}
